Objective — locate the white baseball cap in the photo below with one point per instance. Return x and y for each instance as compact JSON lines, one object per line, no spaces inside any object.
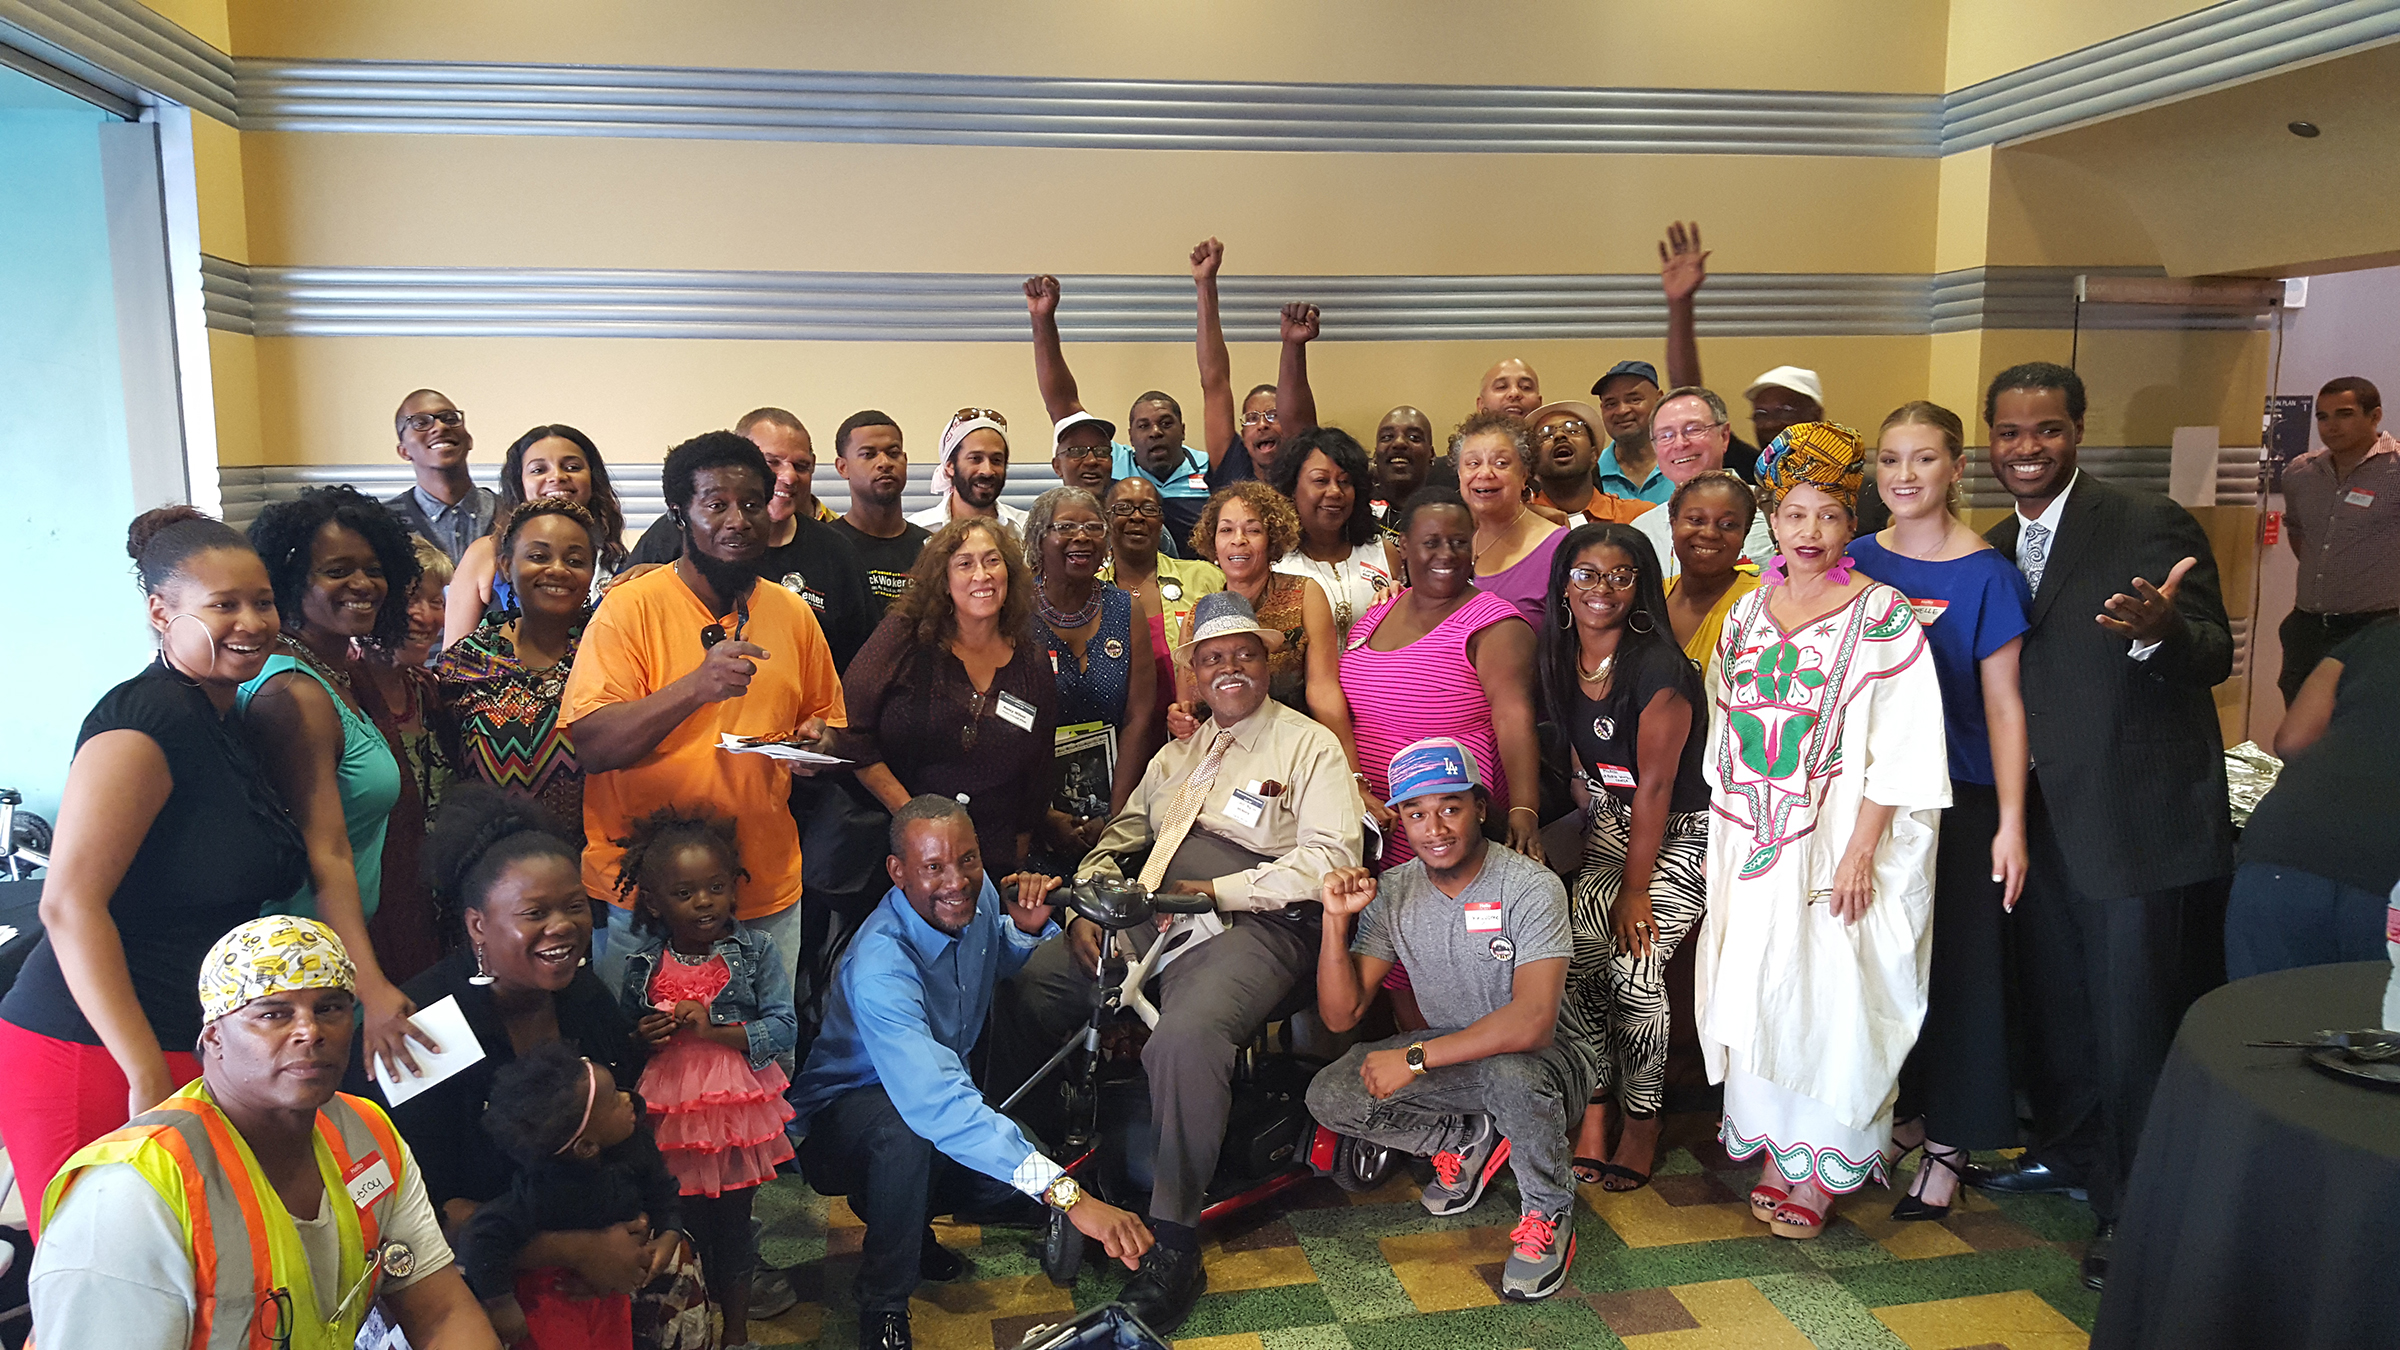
{"x":1076,"y":419}
{"x":1794,"y":378}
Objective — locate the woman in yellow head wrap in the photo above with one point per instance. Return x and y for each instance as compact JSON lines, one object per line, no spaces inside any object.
{"x":1827,"y":777}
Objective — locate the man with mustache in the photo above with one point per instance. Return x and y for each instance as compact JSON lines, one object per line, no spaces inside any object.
{"x":868,"y":454}
{"x":1565,"y":449}
{"x":972,"y":474}
{"x":445,"y":506}
{"x":890,"y":1110}
{"x":2122,"y":915}
{"x":1628,"y":465}
{"x":1154,"y":424}
{"x":683,"y":655}
{"x":804,"y":554}
{"x":153,"y":1233}
{"x":1253,"y":809}
{"x":1691,"y":431}
{"x":1484,"y":935}
{"x":1402,"y":460}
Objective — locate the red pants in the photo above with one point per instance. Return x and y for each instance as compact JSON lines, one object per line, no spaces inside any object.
{"x":555,"y":1321}
{"x":60,"y":1096}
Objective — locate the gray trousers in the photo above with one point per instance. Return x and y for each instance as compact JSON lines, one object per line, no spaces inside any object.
{"x":1213,"y":1000}
{"x":1531,"y":1099}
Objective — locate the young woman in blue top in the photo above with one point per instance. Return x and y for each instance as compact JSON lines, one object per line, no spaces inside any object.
{"x":342,"y":567}
{"x":1972,"y":604}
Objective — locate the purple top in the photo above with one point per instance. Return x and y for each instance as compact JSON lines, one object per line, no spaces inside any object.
{"x":1527,"y":584}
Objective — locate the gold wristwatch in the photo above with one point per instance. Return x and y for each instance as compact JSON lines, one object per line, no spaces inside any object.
{"x":1416,"y":1059}
{"x":1062,"y":1194}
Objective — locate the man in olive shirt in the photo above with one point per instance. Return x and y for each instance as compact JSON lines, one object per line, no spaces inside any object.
{"x":1271,"y":808}
{"x":868,"y":454}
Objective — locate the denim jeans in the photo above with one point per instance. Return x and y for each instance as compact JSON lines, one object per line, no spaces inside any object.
{"x":2281,"y":917}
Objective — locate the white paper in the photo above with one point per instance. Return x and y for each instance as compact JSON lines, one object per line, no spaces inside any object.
{"x":2192,"y":466}
{"x":772,"y":750}
{"x":446,"y":1022}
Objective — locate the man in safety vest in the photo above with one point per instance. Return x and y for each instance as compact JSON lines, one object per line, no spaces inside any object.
{"x":257,"y":1208}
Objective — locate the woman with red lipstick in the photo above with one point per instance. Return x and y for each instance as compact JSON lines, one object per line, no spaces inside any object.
{"x":1614,"y":679}
{"x":1827,"y":778}
{"x":1955,"y":1092}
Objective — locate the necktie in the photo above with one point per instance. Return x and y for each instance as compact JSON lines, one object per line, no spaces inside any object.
{"x":2033,"y":553}
{"x":1188,"y":930}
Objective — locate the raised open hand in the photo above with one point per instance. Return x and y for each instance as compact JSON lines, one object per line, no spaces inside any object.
{"x":2147,"y":615}
{"x":1682,"y":263}
{"x":1207,"y":256}
{"x":1299,"y":322}
{"x":1041,"y":296}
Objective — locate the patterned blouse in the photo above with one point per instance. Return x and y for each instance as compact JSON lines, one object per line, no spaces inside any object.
{"x":508,"y":729}
{"x":1280,"y":608}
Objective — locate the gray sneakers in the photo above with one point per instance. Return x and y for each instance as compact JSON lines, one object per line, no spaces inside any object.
{"x":1537,"y":1265}
{"x":1459,"y":1175}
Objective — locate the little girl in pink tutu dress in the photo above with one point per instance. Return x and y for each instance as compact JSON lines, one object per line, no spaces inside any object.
{"x":714,"y":1000}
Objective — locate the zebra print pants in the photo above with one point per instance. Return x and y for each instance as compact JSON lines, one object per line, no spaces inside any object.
{"x":1624,"y":999}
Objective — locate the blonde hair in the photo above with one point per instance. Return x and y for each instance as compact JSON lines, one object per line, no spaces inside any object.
{"x":1923,"y":413}
{"x":434,"y":565}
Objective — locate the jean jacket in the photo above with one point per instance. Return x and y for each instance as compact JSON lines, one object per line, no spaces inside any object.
{"x":759,"y":994}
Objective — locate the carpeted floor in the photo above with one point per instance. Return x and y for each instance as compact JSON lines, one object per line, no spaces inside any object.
{"x":1679,"y":1265}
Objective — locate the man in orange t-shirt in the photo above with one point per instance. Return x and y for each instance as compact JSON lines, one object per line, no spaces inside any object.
{"x":676,"y":658}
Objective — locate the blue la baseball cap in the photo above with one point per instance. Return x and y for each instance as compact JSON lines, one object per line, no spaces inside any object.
{"x":1435,"y":764}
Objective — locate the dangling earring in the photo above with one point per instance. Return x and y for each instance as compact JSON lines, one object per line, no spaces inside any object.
{"x":483,"y":975}
{"x":1646,"y":624}
{"x":168,"y":632}
{"x":1566,"y":619}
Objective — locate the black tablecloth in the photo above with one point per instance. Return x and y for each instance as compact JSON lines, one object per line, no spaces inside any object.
{"x":2264,"y":1208}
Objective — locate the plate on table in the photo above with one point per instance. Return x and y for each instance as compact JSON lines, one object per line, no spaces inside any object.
{"x":2334,"y":1060}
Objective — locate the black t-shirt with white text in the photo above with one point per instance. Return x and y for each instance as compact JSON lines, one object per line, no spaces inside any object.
{"x":818,"y":565}
{"x":887,"y":560}
{"x":1607,"y":730}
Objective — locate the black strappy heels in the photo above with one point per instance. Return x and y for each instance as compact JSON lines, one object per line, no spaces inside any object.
{"x":1908,"y":1206}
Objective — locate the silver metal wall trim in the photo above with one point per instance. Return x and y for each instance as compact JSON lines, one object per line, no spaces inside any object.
{"x":2207,"y":49}
{"x":1005,"y":110}
{"x":124,"y":47}
{"x":987,"y":307}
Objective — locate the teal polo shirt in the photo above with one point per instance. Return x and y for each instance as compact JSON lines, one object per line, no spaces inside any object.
{"x":1612,"y":479}
{"x":1190,"y":478}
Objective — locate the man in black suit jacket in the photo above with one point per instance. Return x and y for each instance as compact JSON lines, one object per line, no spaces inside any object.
{"x":2127,"y":824}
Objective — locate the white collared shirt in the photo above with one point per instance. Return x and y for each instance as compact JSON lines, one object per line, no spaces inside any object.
{"x":2051,"y":515}
{"x":934,"y":517}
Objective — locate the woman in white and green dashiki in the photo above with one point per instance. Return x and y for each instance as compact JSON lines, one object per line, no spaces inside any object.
{"x":1827,"y":776}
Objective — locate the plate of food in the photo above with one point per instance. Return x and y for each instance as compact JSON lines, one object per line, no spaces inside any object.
{"x":789,"y":745}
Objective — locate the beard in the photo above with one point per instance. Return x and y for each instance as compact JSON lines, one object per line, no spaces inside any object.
{"x":727,"y":579}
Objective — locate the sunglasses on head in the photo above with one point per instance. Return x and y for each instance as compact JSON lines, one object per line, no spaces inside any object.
{"x":970,"y":414}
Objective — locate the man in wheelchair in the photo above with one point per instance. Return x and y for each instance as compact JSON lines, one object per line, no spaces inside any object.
{"x":892,"y":1118}
{"x":1252,"y":811}
{"x":1485,"y":936}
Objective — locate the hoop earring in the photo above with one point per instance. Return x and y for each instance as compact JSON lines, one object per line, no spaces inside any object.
{"x":1647,"y":624}
{"x":1566,"y":619}
{"x":169,"y":632}
{"x":483,"y":975}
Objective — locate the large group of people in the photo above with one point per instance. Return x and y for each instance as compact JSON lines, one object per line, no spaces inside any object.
{"x":737,"y":848}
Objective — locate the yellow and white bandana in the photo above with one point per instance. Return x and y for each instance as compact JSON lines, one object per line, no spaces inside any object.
{"x":273,"y":955}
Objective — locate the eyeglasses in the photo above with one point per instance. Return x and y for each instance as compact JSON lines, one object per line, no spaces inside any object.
{"x":1689,"y":431}
{"x":1082,"y":452}
{"x":1078,"y":529}
{"x":1559,"y":431}
{"x":275,"y":1309}
{"x":970,"y":414}
{"x":1592,"y":578}
{"x":1265,"y":419}
{"x":427,"y":421}
{"x":1138,"y":511}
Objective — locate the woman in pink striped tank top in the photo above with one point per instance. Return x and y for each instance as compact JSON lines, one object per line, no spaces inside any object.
{"x":1445,"y":658}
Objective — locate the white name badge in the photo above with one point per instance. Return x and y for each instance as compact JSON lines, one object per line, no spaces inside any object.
{"x":2359,"y":497}
{"x":1015,"y":711}
{"x":367,"y":1178}
{"x":1483,"y":916}
{"x":1615,"y":776}
{"x":1196,"y":483}
{"x":1245,"y":809}
{"x":1928,"y":611}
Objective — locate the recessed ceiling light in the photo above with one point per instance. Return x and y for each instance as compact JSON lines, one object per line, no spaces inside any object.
{"x":2303,"y":130}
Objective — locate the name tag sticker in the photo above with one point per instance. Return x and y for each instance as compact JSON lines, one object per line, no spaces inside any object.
{"x":1483,"y":916}
{"x":1928,"y":611}
{"x":1245,"y":808}
{"x":2359,"y":497}
{"x":1615,"y":776}
{"x":367,"y":1178}
{"x":1197,"y":482}
{"x":1015,"y":711}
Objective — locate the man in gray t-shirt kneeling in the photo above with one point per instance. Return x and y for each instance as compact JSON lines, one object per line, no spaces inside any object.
{"x":1501,"y":1070}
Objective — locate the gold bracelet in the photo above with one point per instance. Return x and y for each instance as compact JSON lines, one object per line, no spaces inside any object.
{"x":1514,"y":809}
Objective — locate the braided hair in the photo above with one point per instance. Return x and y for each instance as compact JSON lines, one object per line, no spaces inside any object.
{"x":658,"y":835}
{"x":480,"y":833}
{"x":284,"y":533}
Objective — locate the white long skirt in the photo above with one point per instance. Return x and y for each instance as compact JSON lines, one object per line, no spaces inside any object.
{"x":1801,"y":1135}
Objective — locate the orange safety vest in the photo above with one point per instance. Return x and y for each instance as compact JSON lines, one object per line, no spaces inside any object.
{"x":256,"y":1291}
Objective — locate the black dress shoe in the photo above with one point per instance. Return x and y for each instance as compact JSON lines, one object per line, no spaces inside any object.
{"x":938,"y":1263}
{"x":1163,"y":1291}
{"x":2020,"y":1178}
{"x":884,"y":1331}
{"x":2095,"y":1257}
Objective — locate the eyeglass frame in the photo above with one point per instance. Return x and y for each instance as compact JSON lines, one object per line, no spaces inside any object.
{"x":1082,"y":452}
{"x":1677,"y":436}
{"x":1632,"y":575}
{"x":1260,"y":419}
{"x":1557,"y":431}
{"x":1081,"y":529}
{"x":427,"y":421}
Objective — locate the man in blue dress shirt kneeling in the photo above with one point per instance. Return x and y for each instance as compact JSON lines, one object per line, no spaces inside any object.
{"x":893,"y":1119}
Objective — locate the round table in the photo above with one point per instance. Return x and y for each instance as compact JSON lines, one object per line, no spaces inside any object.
{"x":2264,"y":1206}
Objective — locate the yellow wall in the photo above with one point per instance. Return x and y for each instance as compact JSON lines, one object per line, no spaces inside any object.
{"x":1993,"y":37}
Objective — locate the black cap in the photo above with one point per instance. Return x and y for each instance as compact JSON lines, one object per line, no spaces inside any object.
{"x":1638,"y":369}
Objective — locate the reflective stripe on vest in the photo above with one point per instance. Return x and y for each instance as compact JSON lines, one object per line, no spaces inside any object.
{"x":185,"y":1148}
